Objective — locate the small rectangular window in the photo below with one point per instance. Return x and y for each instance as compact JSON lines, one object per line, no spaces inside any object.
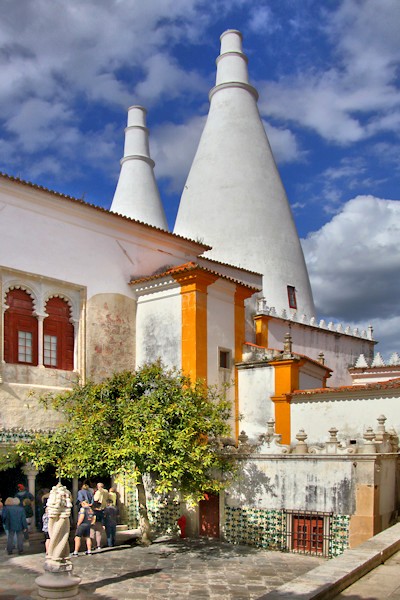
{"x":50,"y":350}
{"x":291,"y":290}
{"x":24,"y":346}
{"x":224,"y":359}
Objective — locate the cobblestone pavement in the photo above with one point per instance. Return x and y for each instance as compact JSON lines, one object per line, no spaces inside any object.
{"x":178,"y":569}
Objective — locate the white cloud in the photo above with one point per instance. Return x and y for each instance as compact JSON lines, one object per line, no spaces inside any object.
{"x":284,"y":144}
{"x":354,"y":264}
{"x":261,"y":20}
{"x":173,"y":148}
{"x":357,"y":96}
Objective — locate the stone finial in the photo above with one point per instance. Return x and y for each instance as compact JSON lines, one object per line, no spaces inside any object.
{"x":301,"y":446}
{"x":322,"y":324}
{"x":361,"y":362}
{"x":287,"y":346}
{"x":369,"y":443}
{"x":378,"y":360}
{"x":370,"y":332}
{"x":333,"y":434}
{"x":321,"y":358}
{"x":271,"y":427}
{"x":394,"y":360}
{"x":243,"y":438}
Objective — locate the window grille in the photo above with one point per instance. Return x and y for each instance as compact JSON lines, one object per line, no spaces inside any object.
{"x":308,"y":532}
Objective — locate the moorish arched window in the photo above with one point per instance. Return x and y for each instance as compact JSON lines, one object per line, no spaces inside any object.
{"x":20,"y":329}
{"x":58,"y":336}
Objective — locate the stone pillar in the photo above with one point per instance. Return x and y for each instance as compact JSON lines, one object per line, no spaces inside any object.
{"x":58,"y":580}
{"x":40,"y":319}
{"x":30,"y":471}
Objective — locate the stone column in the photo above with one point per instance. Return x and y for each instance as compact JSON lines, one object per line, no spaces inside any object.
{"x":30,"y":471}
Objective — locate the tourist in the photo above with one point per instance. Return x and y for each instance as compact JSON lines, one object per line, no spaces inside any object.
{"x":85,"y":519}
{"x":15,"y":525}
{"x":27,"y":506}
{"x":23,"y":493}
{"x":110,"y":522}
{"x":45,"y":526}
{"x":101,"y":495}
{"x":112,"y":495}
{"x":84,"y":494}
{"x":97,"y":527}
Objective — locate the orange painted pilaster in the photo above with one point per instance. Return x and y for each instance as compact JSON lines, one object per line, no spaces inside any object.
{"x":194,"y":286}
{"x":261,"y":326}
{"x":241,"y":294}
{"x":286,"y":381}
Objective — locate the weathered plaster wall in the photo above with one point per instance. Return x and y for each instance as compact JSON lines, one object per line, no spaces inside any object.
{"x":256,"y":385}
{"x":296,"y":483}
{"x":110,"y":334}
{"x":159,"y":327}
{"x":349,"y":415}
{"x":20,"y":406}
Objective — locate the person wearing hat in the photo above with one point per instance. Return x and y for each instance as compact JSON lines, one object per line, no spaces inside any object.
{"x":23,"y":493}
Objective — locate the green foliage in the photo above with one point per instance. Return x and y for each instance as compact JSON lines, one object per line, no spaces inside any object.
{"x":152,"y":421}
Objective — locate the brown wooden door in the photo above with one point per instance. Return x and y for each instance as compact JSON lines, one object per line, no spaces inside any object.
{"x":209,"y":516}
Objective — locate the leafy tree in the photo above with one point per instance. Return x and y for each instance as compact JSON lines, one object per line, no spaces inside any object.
{"x":152,"y":421}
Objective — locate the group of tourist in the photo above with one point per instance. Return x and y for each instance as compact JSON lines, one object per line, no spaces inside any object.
{"x":16,"y":516}
{"x":98,"y":511}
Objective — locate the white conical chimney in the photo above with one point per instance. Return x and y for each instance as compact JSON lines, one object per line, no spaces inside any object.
{"x":234,"y":199}
{"x":137,"y":195}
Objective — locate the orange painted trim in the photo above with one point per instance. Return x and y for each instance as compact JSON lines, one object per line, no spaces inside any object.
{"x":286,"y":380}
{"x":194,"y":286}
{"x":261,"y":326}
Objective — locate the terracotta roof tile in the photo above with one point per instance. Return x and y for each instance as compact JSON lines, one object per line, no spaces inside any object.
{"x":378,"y":385}
{"x":186,"y":267}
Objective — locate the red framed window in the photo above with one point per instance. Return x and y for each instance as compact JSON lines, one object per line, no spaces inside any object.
{"x":291,"y":290}
{"x":58,"y":336}
{"x":308,"y":534}
{"x":20,"y":329}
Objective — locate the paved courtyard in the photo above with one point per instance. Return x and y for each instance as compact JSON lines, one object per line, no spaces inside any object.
{"x":169,"y":569}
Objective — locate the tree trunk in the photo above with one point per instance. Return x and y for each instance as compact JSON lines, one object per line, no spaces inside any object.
{"x":144,"y":523}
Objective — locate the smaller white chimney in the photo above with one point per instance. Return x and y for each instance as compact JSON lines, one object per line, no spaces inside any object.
{"x":137,"y":195}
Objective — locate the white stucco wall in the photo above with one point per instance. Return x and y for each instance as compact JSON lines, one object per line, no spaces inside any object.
{"x":79,"y":244}
{"x":256,"y":385}
{"x":340,"y":350}
{"x":349,"y":415}
{"x":221,"y":328}
{"x":296,"y":483}
{"x":159,"y":327}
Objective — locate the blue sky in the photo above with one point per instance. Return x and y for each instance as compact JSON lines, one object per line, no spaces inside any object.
{"x":328,"y":78}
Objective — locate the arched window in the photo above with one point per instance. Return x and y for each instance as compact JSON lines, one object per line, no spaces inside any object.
{"x":58,"y":336}
{"x":20,"y":329}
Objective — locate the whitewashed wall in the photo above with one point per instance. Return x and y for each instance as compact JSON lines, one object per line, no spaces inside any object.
{"x":351,"y":416}
{"x":339,"y":350}
{"x":256,"y":386}
{"x":296,"y":483}
{"x":221,"y":327}
{"x":159,"y":327}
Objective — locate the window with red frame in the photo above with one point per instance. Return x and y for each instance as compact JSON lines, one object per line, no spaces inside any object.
{"x":291,"y":290}
{"x":20,"y":329}
{"x":58,"y":336}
